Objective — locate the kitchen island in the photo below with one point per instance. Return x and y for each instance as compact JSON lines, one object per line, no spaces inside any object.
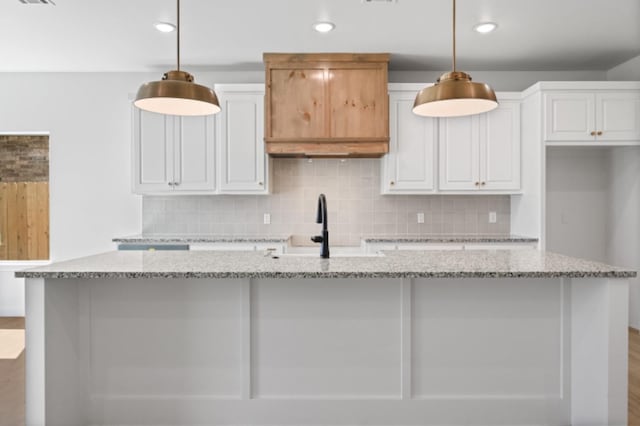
{"x":500,"y":337}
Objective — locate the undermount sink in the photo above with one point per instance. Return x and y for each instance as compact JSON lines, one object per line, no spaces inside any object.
{"x":346,"y":251}
{"x":340,"y":255}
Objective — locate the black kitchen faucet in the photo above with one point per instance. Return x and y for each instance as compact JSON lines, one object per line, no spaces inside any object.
{"x":321,"y":217}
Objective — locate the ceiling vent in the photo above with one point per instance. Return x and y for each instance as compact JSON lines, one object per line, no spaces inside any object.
{"x":37,"y":2}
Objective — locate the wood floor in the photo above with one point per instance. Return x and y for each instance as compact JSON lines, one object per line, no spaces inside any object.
{"x":12,"y":380}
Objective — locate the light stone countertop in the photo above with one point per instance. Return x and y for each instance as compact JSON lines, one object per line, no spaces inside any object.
{"x":449,"y":238}
{"x":394,"y":264}
{"x":201,"y":238}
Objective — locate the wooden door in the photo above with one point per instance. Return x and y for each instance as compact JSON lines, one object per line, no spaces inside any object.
{"x":297,"y":103}
{"x":357,"y":97}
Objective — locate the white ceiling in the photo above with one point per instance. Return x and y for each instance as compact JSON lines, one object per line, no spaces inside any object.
{"x":117,"y":35}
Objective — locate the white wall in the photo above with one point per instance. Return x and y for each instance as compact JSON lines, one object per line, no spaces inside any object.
{"x":627,"y":71}
{"x":577,"y":201}
{"x":623,"y":224}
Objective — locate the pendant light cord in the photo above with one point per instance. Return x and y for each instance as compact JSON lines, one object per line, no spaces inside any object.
{"x":178,"y":20}
{"x":454,"y":35}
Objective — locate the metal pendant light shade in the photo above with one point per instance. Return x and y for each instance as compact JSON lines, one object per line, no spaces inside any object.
{"x":176,"y":93}
{"x":454,"y":94}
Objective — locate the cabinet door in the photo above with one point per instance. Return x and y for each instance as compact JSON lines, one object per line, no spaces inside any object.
{"x":194,"y":154}
{"x":152,"y":152}
{"x":243,"y":164}
{"x":355,"y":97}
{"x":618,"y":116}
{"x":500,"y":148}
{"x":297,"y":103}
{"x":569,"y":116}
{"x":459,"y":153}
{"x":409,"y":165}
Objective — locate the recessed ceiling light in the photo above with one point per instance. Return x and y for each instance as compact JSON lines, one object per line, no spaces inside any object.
{"x":164,"y":27}
{"x":485,"y":27}
{"x":324,"y":27}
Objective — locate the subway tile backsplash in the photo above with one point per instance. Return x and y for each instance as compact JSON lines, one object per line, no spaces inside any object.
{"x":355,"y":206}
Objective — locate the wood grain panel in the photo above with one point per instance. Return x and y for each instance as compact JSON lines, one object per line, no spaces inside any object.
{"x":358,"y":107}
{"x":3,"y":221}
{"x":24,"y":220}
{"x":42,"y":219}
{"x":297,"y":103}
{"x":321,"y":97}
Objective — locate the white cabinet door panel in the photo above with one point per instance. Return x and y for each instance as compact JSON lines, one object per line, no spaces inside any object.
{"x":500,"y":148}
{"x":618,"y":116}
{"x":409,"y":166}
{"x":153,"y":156}
{"x":243,"y":160}
{"x":243,"y":163}
{"x":459,"y":153}
{"x":195,"y":154}
{"x":569,"y":116}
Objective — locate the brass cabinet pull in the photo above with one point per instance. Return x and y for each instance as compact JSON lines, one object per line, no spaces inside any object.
{"x":260,"y":183}
{"x":176,"y":183}
{"x":593,"y":133}
{"x":599,"y":133}
{"x":477,"y":183}
{"x":392,"y":183}
{"x":170,"y":183}
{"x":483,"y":183}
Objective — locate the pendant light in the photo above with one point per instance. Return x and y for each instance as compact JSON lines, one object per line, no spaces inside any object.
{"x":176,"y":93}
{"x":454,"y":94}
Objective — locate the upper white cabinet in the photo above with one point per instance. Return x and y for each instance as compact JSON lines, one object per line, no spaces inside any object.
{"x":409,"y":167}
{"x":592,"y":116}
{"x":173,"y":154}
{"x":243,"y":164}
{"x":481,"y":152}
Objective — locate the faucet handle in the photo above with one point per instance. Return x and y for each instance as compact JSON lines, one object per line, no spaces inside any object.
{"x":317,"y":239}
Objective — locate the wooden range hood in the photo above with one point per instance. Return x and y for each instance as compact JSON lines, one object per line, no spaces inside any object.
{"x":326,"y":105}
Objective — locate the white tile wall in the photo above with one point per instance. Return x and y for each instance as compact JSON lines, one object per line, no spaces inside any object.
{"x":355,"y":206}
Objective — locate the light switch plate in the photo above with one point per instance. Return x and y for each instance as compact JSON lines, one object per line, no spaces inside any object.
{"x":420,"y":217}
{"x":267,"y":219}
{"x":493,"y":218}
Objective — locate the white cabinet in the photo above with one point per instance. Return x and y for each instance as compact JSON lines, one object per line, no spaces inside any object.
{"x":592,"y":116}
{"x":173,"y":154}
{"x":405,"y":246}
{"x":409,"y":167}
{"x":481,"y":152}
{"x":243,"y":164}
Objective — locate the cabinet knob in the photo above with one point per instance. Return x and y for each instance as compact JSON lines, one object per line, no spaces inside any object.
{"x":170,"y":184}
{"x":176,"y":183}
{"x":483,"y":183}
{"x":260,"y":183}
{"x":477,"y":183}
{"x":593,"y":133}
{"x":392,"y":183}
{"x":599,"y":133}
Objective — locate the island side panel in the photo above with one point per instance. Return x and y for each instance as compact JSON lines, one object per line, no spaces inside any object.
{"x":599,"y":347}
{"x":35,"y":352}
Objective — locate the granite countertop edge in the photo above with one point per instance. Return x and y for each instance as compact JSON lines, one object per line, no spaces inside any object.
{"x":506,"y":263}
{"x":311,"y":275}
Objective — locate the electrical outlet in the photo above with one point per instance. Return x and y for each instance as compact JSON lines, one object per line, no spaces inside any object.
{"x":420,"y":217}
{"x":267,"y":219}
{"x":493,"y":218}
